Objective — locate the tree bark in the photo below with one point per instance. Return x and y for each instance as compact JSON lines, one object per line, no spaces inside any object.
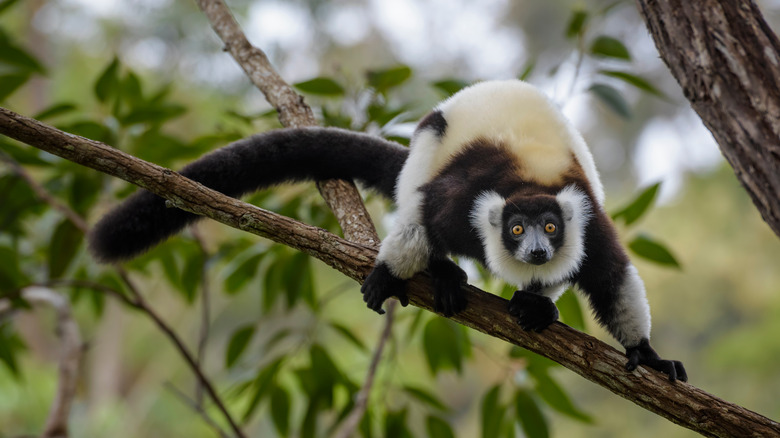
{"x":679,"y":402}
{"x":727,"y":61}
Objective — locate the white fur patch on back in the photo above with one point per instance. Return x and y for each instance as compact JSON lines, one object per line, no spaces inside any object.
{"x":522,"y":118}
{"x":566,"y":260}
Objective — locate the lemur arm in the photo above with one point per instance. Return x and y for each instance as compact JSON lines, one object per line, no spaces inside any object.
{"x":617,"y":296}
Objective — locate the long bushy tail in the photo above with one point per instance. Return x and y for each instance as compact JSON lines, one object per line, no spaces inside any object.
{"x":285,"y":155}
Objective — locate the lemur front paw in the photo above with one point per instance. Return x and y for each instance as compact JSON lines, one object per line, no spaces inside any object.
{"x":380,"y":285}
{"x":448,"y":282}
{"x":643,"y":354}
{"x":532,"y":311}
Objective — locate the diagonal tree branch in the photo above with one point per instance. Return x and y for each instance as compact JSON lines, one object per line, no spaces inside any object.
{"x":679,"y":402}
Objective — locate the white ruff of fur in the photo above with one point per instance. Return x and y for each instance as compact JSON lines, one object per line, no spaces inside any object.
{"x":565,"y":262}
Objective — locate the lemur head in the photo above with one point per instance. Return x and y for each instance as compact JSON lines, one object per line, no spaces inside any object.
{"x":532,"y":228}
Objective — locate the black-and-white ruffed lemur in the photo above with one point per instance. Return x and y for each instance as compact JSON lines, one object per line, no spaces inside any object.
{"x":495,"y":173}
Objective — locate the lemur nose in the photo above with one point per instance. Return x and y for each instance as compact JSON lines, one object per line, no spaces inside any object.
{"x":539,"y":253}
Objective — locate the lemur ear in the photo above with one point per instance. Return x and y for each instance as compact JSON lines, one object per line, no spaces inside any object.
{"x":567,"y":209}
{"x":494,"y":215}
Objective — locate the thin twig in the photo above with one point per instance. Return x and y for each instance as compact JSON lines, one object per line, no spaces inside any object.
{"x":188,"y":357}
{"x":205,"y":307}
{"x":70,"y":355}
{"x":44,"y":195}
{"x":351,"y":422}
{"x":196,"y":406}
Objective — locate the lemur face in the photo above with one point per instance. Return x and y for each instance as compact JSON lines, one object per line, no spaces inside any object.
{"x":532,"y":228}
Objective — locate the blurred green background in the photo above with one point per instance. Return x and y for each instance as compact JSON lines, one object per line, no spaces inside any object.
{"x":289,"y":340}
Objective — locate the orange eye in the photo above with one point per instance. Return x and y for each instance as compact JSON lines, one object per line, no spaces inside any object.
{"x":517,"y":230}
{"x":550,"y":228}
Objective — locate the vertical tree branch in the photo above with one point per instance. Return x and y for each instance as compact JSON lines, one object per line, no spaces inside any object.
{"x":342,"y":197}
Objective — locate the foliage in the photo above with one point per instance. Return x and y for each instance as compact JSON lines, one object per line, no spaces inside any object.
{"x":307,"y":387}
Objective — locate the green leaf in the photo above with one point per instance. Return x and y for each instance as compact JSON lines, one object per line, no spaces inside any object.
{"x":321,"y":86}
{"x":425,"y":397}
{"x":451,"y":86}
{"x":91,"y":130}
{"x":25,"y":155}
{"x":636,"y":81}
{"x":527,"y":70}
{"x":298,"y":280}
{"x":192,"y":275}
{"x":131,"y":90}
{"x":19,"y":59}
{"x":395,"y":425}
{"x":612,"y":98}
{"x":11,"y":276}
{"x":6,"y":4}
{"x":609,"y":47}
{"x":348,"y":335}
{"x":262,"y":384}
{"x":238,"y":343}
{"x":10,"y":345}
{"x":383,"y":80}
{"x":63,"y":247}
{"x":84,"y":191}
{"x":445,"y":345}
{"x":571,"y":311}
{"x":438,"y":428}
{"x":280,"y":410}
{"x":10,"y":83}
{"x":554,"y":395}
{"x":530,"y":416}
{"x":639,"y":206}
{"x":647,"y":248}
{"x":107,"y":84}
{"x":576,"y":26}
{"x":242,"y":274}
{"x":492,"y":413}
{"x":55,"y":110}
{"x":152,"y":113}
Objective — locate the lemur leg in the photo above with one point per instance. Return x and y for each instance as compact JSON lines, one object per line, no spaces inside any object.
{"x":448,"y":281}
{"x":534,"y":306}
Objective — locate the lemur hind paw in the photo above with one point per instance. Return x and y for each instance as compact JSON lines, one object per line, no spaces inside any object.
{"x":380,"y":285}
{"x":448,"y":281}
{"x":643,"y":354}
{"x":533,"y":312}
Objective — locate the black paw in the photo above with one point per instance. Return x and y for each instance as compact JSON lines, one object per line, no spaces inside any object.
{"x":532,"y":311}
{"x":448,"y":282}
{"x":643,"y":354}
{"x":380,"y":285}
